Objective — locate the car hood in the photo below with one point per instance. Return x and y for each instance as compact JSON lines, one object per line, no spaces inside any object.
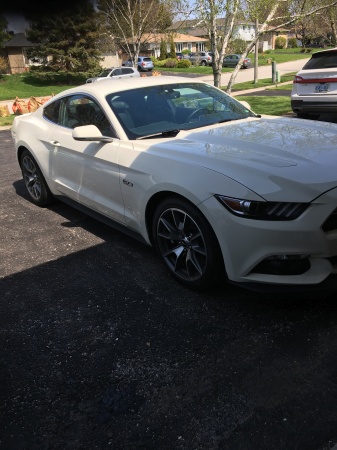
{"x":278,"y":158}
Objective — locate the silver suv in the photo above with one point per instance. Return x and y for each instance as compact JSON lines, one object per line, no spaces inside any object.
{"x":202,"y":58}
{"x":315,"y":86}
{"x":144,"y":63}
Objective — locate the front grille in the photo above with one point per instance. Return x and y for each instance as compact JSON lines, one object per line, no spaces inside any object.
{"x":331,"y":222}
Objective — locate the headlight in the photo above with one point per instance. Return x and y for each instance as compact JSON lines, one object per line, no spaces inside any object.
{"x":262,"y":210}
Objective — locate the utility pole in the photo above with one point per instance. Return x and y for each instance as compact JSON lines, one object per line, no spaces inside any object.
{"x":256,"y":61}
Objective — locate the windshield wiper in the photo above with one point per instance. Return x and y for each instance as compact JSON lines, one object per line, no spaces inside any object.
{"x":166,"y":133}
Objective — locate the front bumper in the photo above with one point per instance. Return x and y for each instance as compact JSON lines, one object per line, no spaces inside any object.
{"x":248,"y":245}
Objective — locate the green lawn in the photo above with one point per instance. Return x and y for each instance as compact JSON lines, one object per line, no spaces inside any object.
{"x":18,"y":85}
{"x":271,"y":105}
{"x":264,"y":83}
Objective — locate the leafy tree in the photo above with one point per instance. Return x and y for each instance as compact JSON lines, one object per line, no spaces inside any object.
{"x":131,"y":21}
{"x":67,"y":39}
{"x":172,"y":48}
{"x":4,"y":34}
{"x":163,"y":49}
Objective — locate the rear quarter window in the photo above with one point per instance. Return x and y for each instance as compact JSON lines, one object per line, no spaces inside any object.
{"x":51,"y":112}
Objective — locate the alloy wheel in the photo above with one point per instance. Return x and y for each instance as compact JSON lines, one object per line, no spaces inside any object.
{"x":182,"y":244}
{"x":31,"y":177}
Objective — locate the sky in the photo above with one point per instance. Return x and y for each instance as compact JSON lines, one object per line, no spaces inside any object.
{"x":15,"y":14}
{"x":16,"y":22}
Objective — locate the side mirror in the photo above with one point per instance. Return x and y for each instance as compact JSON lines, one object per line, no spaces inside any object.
{"x":89,"y":133}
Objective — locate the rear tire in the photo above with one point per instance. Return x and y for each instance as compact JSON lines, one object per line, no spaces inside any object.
{"x":35,"y":183}
{"x":187,"y":244}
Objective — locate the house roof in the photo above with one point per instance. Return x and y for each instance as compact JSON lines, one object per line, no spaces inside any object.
{"x":18,"y":40}
{"x":177,"y":37}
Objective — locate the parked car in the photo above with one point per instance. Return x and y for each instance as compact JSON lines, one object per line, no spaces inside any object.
{"x":232,"y":61}
{"x":220,"y":192}
{"x":315,"y":85}
{"x":202,"y":58}
{"x":179,"y":55}
{"x":144,"y":63}
{"x":115,"y":73}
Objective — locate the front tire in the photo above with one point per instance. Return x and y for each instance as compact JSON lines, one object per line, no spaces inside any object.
{"x":35,"y":183}
{"x":187,"y":244}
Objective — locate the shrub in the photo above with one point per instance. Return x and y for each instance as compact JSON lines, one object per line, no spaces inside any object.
{"x":280,"y":42}
{"x":3,"y":65}
{"x":292,"y":43}
{"x":58,"y":78}
{"x":308,"y":50}
{"x":184,"y":64}
{"x":237,"y":46}
{"x":171,"y":63}
{"x":160,"y":63}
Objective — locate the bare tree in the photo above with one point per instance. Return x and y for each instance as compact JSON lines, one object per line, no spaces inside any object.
{"x":209,"y":13}
{"x":130,"y":20}
{"x":266,"y":26}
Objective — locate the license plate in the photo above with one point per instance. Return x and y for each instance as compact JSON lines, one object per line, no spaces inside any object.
{"x":322,"y":88}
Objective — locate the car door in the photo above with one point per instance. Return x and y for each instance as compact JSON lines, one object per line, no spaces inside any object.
{"x":87,"y":172}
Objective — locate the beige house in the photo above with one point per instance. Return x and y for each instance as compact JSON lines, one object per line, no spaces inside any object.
{"x":242,"y":30}
{"x":16,"y":53}
{"x":150,"y":43}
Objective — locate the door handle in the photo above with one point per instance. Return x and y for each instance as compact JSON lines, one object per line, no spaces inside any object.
{"x":55,"y":143}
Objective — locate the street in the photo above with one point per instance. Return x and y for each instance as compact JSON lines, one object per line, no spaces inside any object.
{"x":101,"y":348}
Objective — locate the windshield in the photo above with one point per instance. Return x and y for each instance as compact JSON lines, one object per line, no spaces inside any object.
{"x":105,"y":73}
{"x":182,"y":106}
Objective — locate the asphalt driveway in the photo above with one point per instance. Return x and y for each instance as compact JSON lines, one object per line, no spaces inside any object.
{"x":101,"y":349}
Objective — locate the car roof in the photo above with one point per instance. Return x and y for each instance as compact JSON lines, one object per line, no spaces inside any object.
{"x":117,"y":67}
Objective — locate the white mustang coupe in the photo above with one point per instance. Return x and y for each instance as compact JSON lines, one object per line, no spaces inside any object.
{"x":220,"y":192}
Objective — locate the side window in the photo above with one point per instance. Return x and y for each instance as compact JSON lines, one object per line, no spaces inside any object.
{"x":126,"y":70}
{"x":79,"y":110}
{"x":51,"y":112}
{"x":116,"y":72}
